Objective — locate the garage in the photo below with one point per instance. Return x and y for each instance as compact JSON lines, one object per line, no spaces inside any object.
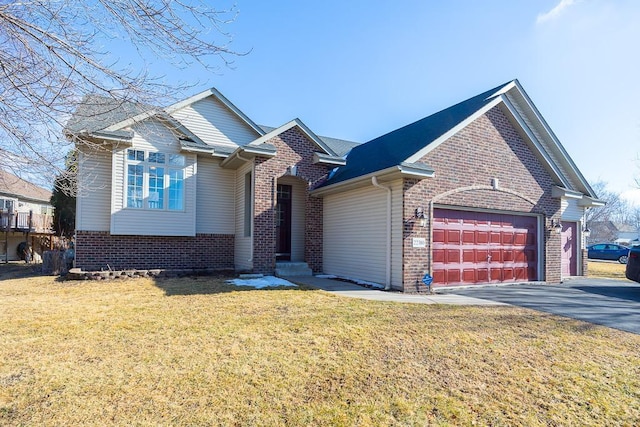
{"x":471,"y":247}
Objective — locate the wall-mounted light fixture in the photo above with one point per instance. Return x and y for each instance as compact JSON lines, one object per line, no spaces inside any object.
{"x":420,"y":216}
{"x":586,"y":232}
{"x":556,"y":227}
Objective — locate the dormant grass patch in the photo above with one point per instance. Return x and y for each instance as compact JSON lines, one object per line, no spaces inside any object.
{"x":604,"y":269}
{"x":197,"y":351}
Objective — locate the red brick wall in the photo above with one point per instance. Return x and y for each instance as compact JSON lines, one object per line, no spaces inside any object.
{"x":488,"y":148}
{"x":293,"y":149}
{"x":96,"y":250}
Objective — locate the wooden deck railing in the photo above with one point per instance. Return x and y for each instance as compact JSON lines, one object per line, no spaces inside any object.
{"x":26,"y":221}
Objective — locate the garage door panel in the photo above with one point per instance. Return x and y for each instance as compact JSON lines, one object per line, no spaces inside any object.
{"x":438,"y":235}
{"x":453,"y":256}
{"x":507,"y":238}
{"x":507,"y":274}
{"x":520,"y":238}
{"x":480,"y":247}
{"x":469,"y":275}
{"x":495,"y":238}
{"x":453,"y":237}
{"x":438,"y":256}
{"x":469,"y":255}
{"x":453,"y":276}
{"x":468,"y":237}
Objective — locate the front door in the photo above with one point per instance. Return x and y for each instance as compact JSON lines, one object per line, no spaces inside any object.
{"x":283,"y":223}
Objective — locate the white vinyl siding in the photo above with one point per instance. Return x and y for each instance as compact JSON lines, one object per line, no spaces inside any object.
{"x":215,"y":203}
{"x":355,"y":234}
{"x":571,"y":211}
{"x":298,"y":188}
{"x":152,"y":136}
{"x":243,"y":255}
{"x":94,"y":193}
{"x":214,"y":123}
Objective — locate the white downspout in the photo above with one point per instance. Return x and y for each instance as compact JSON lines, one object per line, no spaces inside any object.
{"x":374,"y":181}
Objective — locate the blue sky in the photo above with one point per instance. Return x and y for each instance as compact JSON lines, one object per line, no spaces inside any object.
{"x":358,"y":69}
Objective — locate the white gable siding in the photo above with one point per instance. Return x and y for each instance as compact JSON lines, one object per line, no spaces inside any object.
{"x":214,"y":123}
{"x":570,"y":210}
{"x":154,"y":137}
{"x":355,"y":234}
{"x":215,"y":201}
{"x":94,"y":193}
{"x":243,"y":249}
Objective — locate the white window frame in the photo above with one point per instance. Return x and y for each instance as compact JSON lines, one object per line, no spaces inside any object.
{"x":171,"y":163}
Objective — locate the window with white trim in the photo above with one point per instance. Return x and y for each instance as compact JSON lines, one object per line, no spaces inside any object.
{"x":155,"y":180}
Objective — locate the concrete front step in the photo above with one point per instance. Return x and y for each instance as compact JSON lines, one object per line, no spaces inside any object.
{"x":285,"y":269}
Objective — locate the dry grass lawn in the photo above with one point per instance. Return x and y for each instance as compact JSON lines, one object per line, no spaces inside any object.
{"x":613,"y":270}
{"x":199,"y":352}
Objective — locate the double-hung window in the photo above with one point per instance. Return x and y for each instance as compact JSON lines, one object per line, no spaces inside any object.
{"x":155,"y":180}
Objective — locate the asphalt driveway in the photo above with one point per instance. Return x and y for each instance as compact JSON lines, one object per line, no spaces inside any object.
{"x":608,"y":302}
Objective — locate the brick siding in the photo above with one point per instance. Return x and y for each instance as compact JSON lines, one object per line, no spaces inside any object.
{"x":490,"y":147}
{"x":293,"y":149}
{"x":101,"y":250}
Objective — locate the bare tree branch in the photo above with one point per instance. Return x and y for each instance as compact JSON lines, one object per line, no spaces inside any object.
{"x":53,"y":55}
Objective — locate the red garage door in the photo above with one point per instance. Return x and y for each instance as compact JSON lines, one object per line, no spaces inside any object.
{"x":479,"y":247}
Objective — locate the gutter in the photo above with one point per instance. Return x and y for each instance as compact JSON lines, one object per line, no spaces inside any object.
{"x":387,"y":285}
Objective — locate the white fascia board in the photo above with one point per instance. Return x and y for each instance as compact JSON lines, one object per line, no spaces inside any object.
{"x":560,"y":192}
{"x":197,"y":150}
{"x":416,"y":172}
{"x":396,"y":171}
{"x":220,"y":97}
{"x":423,"y":152}
{"x":295,"y":122}
{"x":554,"y":138}
{"x":556,"y":172}
{"x":590,"y":202}
{"x":322,"y":159}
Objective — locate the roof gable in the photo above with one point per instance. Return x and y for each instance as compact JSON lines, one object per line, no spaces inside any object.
{"x":340,"y":146}
{"x":304,"y":129}
{"x":213,"y":92}
{"x":412,"y":142}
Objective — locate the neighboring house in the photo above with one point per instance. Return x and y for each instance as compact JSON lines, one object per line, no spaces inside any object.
{"x":25,"y":216}
{"x":481,"y":192}
{"x":616,"y":232}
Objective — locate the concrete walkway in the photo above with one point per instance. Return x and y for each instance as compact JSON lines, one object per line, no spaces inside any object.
{"x":351,"y":290}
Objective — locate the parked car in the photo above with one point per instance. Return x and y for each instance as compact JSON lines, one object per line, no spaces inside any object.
{"x":633,"y":264}
{"x":609,"y":251}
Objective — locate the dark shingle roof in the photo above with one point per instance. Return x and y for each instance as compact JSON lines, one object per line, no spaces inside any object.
{"x":340,"y":146}
{"x":12,"y":185}
{"x":97,"y":112}
{"x":396,"y":147}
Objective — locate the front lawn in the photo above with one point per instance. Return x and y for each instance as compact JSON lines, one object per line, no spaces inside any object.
{"x":199,"y":352}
